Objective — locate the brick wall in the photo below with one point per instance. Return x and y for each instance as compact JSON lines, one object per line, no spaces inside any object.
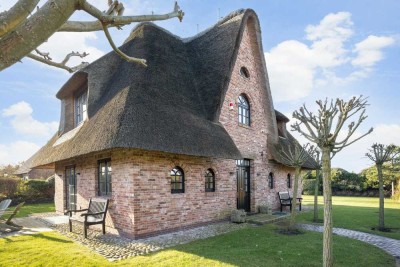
{"x":141,"y":201}
{"x":252,"y":140}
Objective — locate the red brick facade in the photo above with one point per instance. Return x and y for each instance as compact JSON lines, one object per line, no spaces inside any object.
{"x":141,"y":200}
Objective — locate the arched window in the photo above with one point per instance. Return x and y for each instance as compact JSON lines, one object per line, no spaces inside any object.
{"x":289,"y":181}
{"x":271,"y":180}
{"x":177,"y":180}
{"x":244,"y":110}
{"x":210,"y":181}
{"x":244,"y":72}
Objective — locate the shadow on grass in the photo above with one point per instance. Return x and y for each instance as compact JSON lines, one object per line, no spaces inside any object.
{"x":15,"y":239}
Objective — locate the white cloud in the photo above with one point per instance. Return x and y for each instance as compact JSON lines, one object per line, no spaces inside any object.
{"x":16,"y":152}
{"x":23,"y":122}
{"x":369,"y":50}
{"x":295,"y":68}
{"x":62,"y":43}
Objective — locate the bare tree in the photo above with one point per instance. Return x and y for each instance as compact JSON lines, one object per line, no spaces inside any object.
{"x":381,"y":154}
{"x":295,"y":156}
{"x":318,"y":165}
{"x":22,"y":32}
{"x":323,"y":129}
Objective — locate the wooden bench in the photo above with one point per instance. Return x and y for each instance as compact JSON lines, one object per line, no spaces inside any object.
{"x":286,"y":200}
{"x":96,"y":214}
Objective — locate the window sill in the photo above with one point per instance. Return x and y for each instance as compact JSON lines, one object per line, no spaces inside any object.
{"x":244,"y":126}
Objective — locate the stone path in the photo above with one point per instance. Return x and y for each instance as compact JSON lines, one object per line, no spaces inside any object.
{"x":29,"y":226}
{"x":390,"y":245}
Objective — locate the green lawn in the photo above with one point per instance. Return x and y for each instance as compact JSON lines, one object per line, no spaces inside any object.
{"x":28,"y":209}
{"x":358,"y":213}
{"x":260,"y":246}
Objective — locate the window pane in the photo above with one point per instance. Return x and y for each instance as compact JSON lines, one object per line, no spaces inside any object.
{"x":109,"y":188}
{"x":103,"y":188}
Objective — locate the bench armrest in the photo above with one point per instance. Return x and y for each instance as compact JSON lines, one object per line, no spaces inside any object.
{"x":70,"y":211}
{"x":92,"y":214}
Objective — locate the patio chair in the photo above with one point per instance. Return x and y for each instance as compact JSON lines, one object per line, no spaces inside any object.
{"x":95,"y":214}
{"x":4,"y":206}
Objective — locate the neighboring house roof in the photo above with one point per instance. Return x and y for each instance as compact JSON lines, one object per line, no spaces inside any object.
{"x":172,"y":105}
{"x":25,"y":167}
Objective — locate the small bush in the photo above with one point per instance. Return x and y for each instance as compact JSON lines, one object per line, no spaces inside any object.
{"x":308,"y":186}
{"x":9,"y":187}
{"x":32,"y":189}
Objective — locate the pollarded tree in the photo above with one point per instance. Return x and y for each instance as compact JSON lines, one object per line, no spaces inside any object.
{"x":295,"y":156}
{"x":323,"y":129}
{"x":21,"y":33}
{"x":381,"y":154}
{"x":318,"y":165}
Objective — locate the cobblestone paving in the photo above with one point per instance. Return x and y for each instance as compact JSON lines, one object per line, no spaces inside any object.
{"x":391,"y":246}
{"x":115,"y":247}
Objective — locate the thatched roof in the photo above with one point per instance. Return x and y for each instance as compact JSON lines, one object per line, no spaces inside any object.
{"x":171,"y":106}
{"x":288,"y":144}
{"x":281,"y":117}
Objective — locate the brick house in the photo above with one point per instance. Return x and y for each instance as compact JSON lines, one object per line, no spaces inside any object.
{"x":180,"y":143}
{"x":26,"y":173}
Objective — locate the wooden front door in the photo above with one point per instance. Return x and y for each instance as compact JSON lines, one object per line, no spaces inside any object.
{"x":70,"y":183}
{"x":243,"y":184}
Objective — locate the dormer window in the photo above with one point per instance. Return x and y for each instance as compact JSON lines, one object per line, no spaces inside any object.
{"x":244,"y":110}
{"x":80,"y":108}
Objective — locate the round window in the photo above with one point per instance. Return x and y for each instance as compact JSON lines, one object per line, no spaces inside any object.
{"x":244,"y":72}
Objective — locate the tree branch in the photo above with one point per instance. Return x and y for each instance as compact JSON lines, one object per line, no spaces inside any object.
{"x":46,"y":59}
{"x":119,"y":52}
{"x":114,"y":20}
{"x":34,"y":31}
{"x":10,"y":19}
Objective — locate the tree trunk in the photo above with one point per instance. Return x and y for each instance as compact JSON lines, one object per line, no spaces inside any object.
{"x":316,"y":196}
{"x":381,"y":198}
{"x":393,"y":189}
{"x":35,"y":30}
{"x":326,"y":176}
{"x":294,"y":200}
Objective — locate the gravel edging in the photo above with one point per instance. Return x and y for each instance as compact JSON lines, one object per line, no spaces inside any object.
{"x":114,"y":247}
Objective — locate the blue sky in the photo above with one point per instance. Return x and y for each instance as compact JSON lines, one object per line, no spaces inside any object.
{"x":314,"y":49}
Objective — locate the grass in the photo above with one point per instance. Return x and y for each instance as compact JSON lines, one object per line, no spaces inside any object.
{"x":28,"y":209}
{"x":358,"y":213}
{"x":253,"y":246}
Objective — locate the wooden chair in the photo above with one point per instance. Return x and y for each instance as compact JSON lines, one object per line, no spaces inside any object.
{"x":286,"y":200}
{"x":96,"y":214}
{"x":4,"y":204}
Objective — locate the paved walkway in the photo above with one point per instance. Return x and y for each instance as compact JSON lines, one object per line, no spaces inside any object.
{"x":390,"y":245}
{"x":32,"y":225}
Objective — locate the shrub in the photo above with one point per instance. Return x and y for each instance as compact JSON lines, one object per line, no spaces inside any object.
{"x":9,"y":187}
{"x":308,"y":186}
{"x":32,"y":189}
